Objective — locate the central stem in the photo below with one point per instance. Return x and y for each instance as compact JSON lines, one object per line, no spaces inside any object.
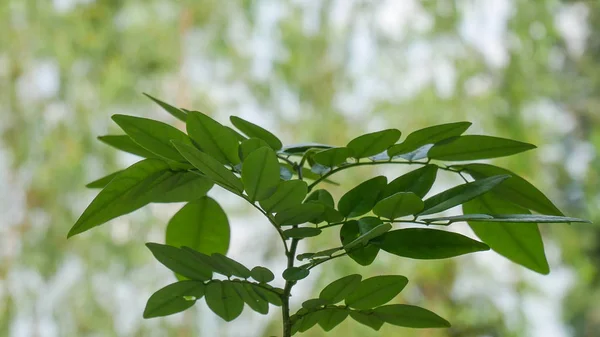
{"x":285,"y":307}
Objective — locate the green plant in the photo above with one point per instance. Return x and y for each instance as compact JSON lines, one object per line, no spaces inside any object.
{"x":180,"y":167}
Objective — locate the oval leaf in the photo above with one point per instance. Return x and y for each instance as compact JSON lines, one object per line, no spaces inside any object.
{"x":375,"y":291}
{"x":302,"y":232}
{"x":399,"y":205}
{"x":254,"y":131}
{"x":472,"y":147}
{"x":175,"y":112}
{"x":332,"y":317}
{"x":223,"y":300}
{"x":298,"y":214}
{"x":314,"y":303}
{"x":429,"y":135}
{"x":373,"y":143}
{"x":418,"y":181}
{"x":260,"y":174}
{"x":172,"y":298}
{"x":410,"y":316}
{"x":126,"y":144}
{"x":367,"y":318}
{"x":288,"y":194}
{"x":267,"y":294}
{"x":363,"y":239}
{"x":250,"y":297}
{"x":332,"y":157}
{"x":295,"y":273}
{"x":213,"y":138}
{"x":362,"y":198}
{"x":351,"y":231}
{"x":237,"y":269}
{"x":180,"y":262}
{"x":250,"y":145}
{"x":262,"y":274}
{"x":339,"y":289}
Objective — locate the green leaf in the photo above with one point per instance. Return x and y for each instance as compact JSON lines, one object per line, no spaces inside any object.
{"x":399,"y":205}
{"x":260,"y":174}
{"x":428,"y":244}
{"x":211,"y":168}
{"x":302,"y":232}
{"x":332,"y":317}
{"x":410,"y":316}
{"x":250,"y":297}
{"x":268,"y":295}
{"x":152,"y":135}
{"x":367,"y":318}
{"x":298,"y":214}
{"x":417,"y":154}
{"x":363,"y":239}
{"x":519,"y":242}
{"x":521,"y":218}
{"x":418,"y":181}
{"x":353,"y":229}
{"x":180,"y":262}
{"x":321,"y":196}
{"x":375,"y":291}
{"x":300,"y":149}
{"x":126,"y":144}
{"x":315,"y":303}
{"x":262,"y":274}
{"x":204,"y":259}
{"x":133,"y":188}
{"x":332,"y":157}
{"x":460,"y":194}
{"x":472,"y":147}
{"x":326,"y":252}
{"x":183,"y":186}
{"x":309,"y":320}
{"x":373,"y":143}
{"x":237,"y":268}
{"x":253,"y":130}
{"x":295,"y":273}
{"x":515,"y":188}
{"x":339,"y":289}
{"x":429,"y":135}
{"x":250,"y":145}
{"x":362,"y":198}
{"x":172,"y":298}
{"x":213,"y":138}
{"x":330,"y":214}
{"x":288,"y":194}
{"x":177,"y":113}
{"x":102,"y":182}
{"x":238,"y":135}
{"x":223,"y":300}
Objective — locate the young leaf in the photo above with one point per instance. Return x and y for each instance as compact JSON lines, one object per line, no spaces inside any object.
{"x":418,"y":181}
{"x":473,"y":147}
{"x":172,"y":298}
{"x":375,"y":291}
{"x":237,"y":269}
{"x":262,"y":274}
{"x":339,"y":289}
{"x":362,"y":198}
{"x":332,"y":317}
{"x":301,"y":232}
{"x":180,"y":262}
{"x":288,"y":194}
{"x":351,"y":230}
{"x":210,"y":167}
{"x":298,"y":214}
{"x":102,"y":182}
{"x":201,"y":225}
{"x":363,"y":239}
{"x":519,"y":242}
{"x":295,"y":273}
{"x":177,"y":113}
{"x":260,"y":174}
{"x":183,"y":186}
{"x":515,"y":188}
{"x":253,"y":130}
{"x":250,"y":297}
{"x":460,"y":194}
{"x":373,"y":143}
{"x":367,"y":318}
{"x":332,"y":157}
{"x":223,"y":300}
{"x":429,"y":135}
{"x":410,"y":316}
{"x":152,"y":135}
{"x":399,"y":205}
{"x":213,"y":138}
{"x":250,"y":145}
{"x":427,"y":244}
{"x":126,"y":144}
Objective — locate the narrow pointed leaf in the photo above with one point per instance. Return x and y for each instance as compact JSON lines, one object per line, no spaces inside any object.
{"x":173,"y":298}
{"x":180,"y":262}
{"x":332,"y":317}
{"x":429,"y":135}
{"x":102,"y":182}
{"x":237,"y":268}
{"x":253,"y":130}
{"x":295,"y":273}
{"x":249,"y":296}
{"x":362,"y":198}
{"x":223,"y":300}
{"x":298,"y":214}
{"x":473,"y":147}
{"x":262,"y":274}
{"x":126,"y":144}
{"x":418,"y":181}
{"x":410,"y":316}
{"x":399,"y":205}
{"x":302,"y":232}
{"x":373,"y":143}
{"x":332,"y":157}
{"x":260,"y":174}
{"x":213,"y":138}
{"x":367,"y":318}
{"x":375,"y":291}
{"x":288,"y":194}
{"x":351,"y":231}
{"x":250,"y":145}
{"x":339,"y":289}
{"x":175,"y":112}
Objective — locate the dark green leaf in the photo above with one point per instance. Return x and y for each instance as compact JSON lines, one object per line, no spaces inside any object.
{"x":351,"y":231}
{"x":302,"y":232}
{"x":427,"y":244}
{"x":295,"y":273}
{"x":126,"y":144}
{"x":321,"y":196}
{"x":215,"y":265}
{"x":330,"y":214}
{"x":339,"y":289}
{"x":460,"y":194}
{"x":362,"y":198}
{"x":237,"y":268}
{"x":332,"y":157}
{"x":521,"y":218}
{"x":363,"y":239}
{"x":262,"y":274}
{"x":332,"y":317}
{"x":288,"y":194}
{"x":375,"y":291}
{"x":519,"y":242}
{"x":183,"y":186}
{"x":418,"y":181}
{"x":260,"y":174}
{"x":211,"y":168}
{"x":515,"y":188}
{"x":315,"y":303}
{"x":153,"y":135}
{"x":309,"y":320}
{"x":410,"y":316}
{"x":268,"y":295}
{"x":250,"y":145}
{"x":373,"y":143}
{"x":298,"y":214}
{"x":102,"y":182}
{"x":213,"y":138}
{"x":223,"y":300}
{"x":173,"y":298}
{"x":429,"y":135}
{"x":180,"y":262}
{"x":250,"y":297}
{"x":399,"y":205}
{"x":367,"y":318}
{"x":177,"y":113}
{"x":472,"y":147}
{"x":253,"y":130}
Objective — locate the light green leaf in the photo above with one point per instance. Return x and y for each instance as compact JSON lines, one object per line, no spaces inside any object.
{"x":367,"y":318}
{"x":250,"y":297}
{"x":363,"y":239}
{"x":373,"y":143}
{"x":301,"y":232}
{"x":410,"y":316}
{"x":418,"y":181}
{"x":173,"y":298}
{"x":460,"y":194}
{"x":254,"y":131}
{"x":399,"y":205}
{"x":250,"y":145}
{"x":353,"y":229}
{"x":332,"y":157}
{"x":299,"y":214}
{"x":126,"y":144}
{"x":213,"y":138}
{"x":428,"y":244}
{"x":260,"y":174}
{"x":473,"y":147}
{"x":429,"y":135}
{"x":262,"y":274}
{"x":375,"y":291}
{"x":237,"y":269}
{"x":332,"y":317}
{"x":519,"y":242}
{"x":177,"y":113}
{"x":362,"y":198}
{"x":223,"y":300}
{"x":102,"y":182}
{"x":295,"y":273}
{"x":180,"y":262}
{"x":183,"y":186}
{"x":339,"y":289}
{"x":288,"y":194}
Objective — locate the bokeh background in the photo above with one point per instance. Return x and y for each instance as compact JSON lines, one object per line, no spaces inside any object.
{"x":311,"y":70}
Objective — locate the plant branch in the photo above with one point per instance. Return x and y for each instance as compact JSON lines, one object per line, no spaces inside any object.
{"x":287,"y":290}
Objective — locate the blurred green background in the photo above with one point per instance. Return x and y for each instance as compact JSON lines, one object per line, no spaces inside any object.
{"x":311,"y":70}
